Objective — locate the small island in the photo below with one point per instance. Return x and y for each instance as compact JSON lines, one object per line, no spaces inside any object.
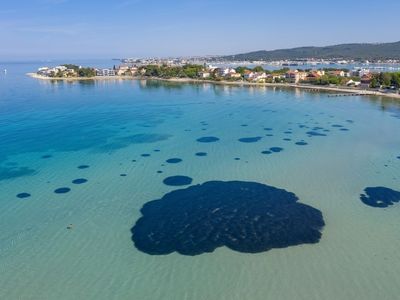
{"x":356,"y":81}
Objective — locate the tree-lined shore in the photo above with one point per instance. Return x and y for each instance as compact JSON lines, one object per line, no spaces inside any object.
{"x":383,"y":83}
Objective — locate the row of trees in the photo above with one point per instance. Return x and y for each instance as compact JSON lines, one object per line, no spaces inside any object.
{"x":329,"y":79}
{"x":385,"y":80}
{"x":164,"y":71}
{"x":192,"y":71}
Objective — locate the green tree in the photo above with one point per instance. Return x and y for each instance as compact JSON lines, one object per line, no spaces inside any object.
{"x":387,"y":79}
{"x":396,"y":80}
{"x":282,"y":71}
{"x":152,"y":70}
{"x":333,"y":80}
{"x":240,"y":70}
{"x":374,"y":83}
{"x":258,"y":69}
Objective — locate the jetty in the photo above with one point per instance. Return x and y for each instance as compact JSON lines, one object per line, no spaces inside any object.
{"x":347,"y":94}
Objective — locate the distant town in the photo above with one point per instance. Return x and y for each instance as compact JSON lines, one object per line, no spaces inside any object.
{"x":327,"y":75}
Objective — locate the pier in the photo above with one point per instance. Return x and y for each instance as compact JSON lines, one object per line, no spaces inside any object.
{"x":347,"y":94}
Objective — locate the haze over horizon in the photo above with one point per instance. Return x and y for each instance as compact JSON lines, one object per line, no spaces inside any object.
{"x":51,"y":29}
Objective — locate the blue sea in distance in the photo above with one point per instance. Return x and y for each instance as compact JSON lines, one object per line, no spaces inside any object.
{"x":84,"y":157}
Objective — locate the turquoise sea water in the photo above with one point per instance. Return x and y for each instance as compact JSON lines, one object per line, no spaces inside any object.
{"x":49,"y":129}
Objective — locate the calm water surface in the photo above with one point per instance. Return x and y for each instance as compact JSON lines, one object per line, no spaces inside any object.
{"x":84,"y":157}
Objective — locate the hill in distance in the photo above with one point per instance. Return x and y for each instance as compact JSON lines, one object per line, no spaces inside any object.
{"x":372,"y":52}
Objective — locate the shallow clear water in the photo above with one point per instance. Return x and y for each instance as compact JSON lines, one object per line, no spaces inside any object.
{"x":49,"y":129}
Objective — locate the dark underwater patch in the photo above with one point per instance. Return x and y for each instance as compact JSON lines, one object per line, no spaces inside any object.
{"x":250,"y":139}
{"x":23,"y":195}
{"x":208,"y":139}
{"x":79,"y":181}
{"x":145,"y":155}
{"x":14,"y":172}
{"x":62,"y":190}
{"x":276,"y":149}
{"x":201,"y":154}
{"x":246,"y":217}
{"x":178,"y":180}
{"x":380,"y":196}
{"x":46,"y":156}
{"x":173,"y":160}
{"x":314,"y":133}
{"x":301,"y":143}
{"x":86,"y":129}
{"x":83,"y":167}
{"x":266,"y":152}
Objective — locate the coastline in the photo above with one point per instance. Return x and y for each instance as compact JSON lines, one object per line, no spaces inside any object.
{"x":37,"y":76}
{"x":342,"y":90}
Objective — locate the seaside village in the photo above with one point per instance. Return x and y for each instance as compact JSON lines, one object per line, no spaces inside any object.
{"x":355,"y":78}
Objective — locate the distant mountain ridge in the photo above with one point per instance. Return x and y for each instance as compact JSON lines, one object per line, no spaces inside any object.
{"x":373,"y":52}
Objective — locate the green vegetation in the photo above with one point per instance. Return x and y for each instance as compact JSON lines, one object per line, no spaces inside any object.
{"x":77,"y":71}
{"x":241,"y":70}
{"x":327,"y":79}
{"x":385,"y":80}
{"x":164,"y":71}
{"x":370,"y":52}
{"x":282,"y":71}
{"x":86,"y":72}
{"x":258,"y":69}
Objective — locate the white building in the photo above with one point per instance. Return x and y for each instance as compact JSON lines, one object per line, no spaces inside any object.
{"x":226,"y":71}
{"x":105,"y":72}
{"x":204,"y":74}
{"x":260,"y":76}
{"x":360,"y":72}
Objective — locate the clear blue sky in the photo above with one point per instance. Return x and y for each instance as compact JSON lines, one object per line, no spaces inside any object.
{"x":129,"y":28}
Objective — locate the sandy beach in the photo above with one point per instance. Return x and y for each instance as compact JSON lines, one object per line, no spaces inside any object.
{"x":340,"y":89}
